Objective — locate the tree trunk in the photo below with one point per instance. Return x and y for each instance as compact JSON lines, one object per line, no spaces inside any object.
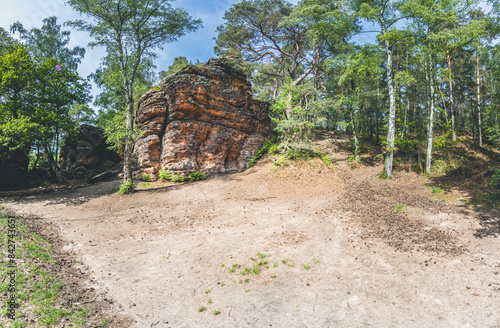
{"x":127,"y":154}
{"x":392,"y":115}
{"x":356,"y":141}
{"x":452,"y":104}
{"x":480,"y":134}
{"x":428,"y":161}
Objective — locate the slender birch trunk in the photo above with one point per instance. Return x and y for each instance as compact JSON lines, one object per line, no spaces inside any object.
{"x":452,"y":103}
{"x":389,"y":155}
{"x":428,"y":161}
{"x":480,"y":134}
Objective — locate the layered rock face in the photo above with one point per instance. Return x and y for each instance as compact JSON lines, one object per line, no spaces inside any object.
{"x":201,"y":119}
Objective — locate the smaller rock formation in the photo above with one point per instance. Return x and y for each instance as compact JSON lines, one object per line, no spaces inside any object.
{"x":88,"y":155}
{"x":201,"y":119}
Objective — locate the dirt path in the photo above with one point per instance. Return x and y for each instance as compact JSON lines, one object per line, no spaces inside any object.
{"x":159,"y":253}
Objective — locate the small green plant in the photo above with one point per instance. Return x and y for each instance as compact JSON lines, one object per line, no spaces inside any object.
{"x":216,"y":312}
{"x":231,"y":270}
{"x":144,"y":184}
{"x":246,"y":280}
{"x":222,"y":284}
{"x":255,"y":270}
{"x":280,"y":161}
{"x":307,"y":267}
{"x":103,"y":323}
{"x":210,"y":301}
{"x":495,"y":180}
{"x":327,"y":160}
{"x":253,"y":259}
{"x":178,"y":178}
{"x":127,"y":187}
{"x":202,"y":309}
{"x":261,"y":255}
{"x":291,"y":265}
{"x":400,"y":207}
{"x":164,"y":175}
{"x":145,"y":177}
{"x":222,"y":265}
{"x":196,"y":176}
{"x":273,"y":276}
{"x":436,"y":190}
{"x":247,"y":290}
{"x":261,"y":152}
{"x":275,"y":264}
{"x":283,"y":261}
{"x":240,"y":282}
{"x":208,"y":291}
{"x":245,"y":271}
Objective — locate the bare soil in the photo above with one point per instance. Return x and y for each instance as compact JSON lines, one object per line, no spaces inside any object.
{"x":343,"y":248}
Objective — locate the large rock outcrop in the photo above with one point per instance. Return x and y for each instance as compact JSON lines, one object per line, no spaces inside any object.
{"x":87,"y":156}
{"x":201,"y":119}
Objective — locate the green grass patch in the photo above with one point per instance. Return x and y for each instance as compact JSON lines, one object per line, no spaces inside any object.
{"x":34,"y":288}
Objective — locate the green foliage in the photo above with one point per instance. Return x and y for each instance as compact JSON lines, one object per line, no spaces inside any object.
{"x":495,"y":180}
{"x":178,"y":178}
{"x":145,"y":177}
{"x":436,"y":190}
{"x":37,"y":290}
{"x":127,"y":187}
{"x":195,"y":176}
{"x":179,"y":64}
{"x":262,"y":151}
{"x":165,"y":175}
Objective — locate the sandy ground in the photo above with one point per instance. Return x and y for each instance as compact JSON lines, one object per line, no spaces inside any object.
{"x":159,"y":253}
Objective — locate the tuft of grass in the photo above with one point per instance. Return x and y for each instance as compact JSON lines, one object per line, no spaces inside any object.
{"x":400,"y":207}
{"x":275,"y":264}
{"x":255,"y":270}
{"x":261,"y":263}
{"x":261,"y":255}
{"x":37,"y":291}
{"x":208,"y":291}
{"x":210,"y":301}
{"x":245,"y":271}
{"x":216,"y":312}
{"x":202,"y":309}
{"x":436,"y":190}
{"x":307,"y":267}
{"x":283,"y":261}
{"x":247,"y":290}
{"x":222,"y":265}
{"x":273,"y":276}
{"x":246,"y":281}
{"x":103,"y":323}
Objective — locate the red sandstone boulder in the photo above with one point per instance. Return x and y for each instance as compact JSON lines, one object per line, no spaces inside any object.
{"x":201,"y":119}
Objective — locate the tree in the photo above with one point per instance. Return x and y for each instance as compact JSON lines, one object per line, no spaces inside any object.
{"x":179,"y":63}
{"x":49,"y":42}
{"x":131,"y":30}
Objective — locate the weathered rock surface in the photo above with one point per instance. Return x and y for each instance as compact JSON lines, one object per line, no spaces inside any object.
{"x":87,"y":155}
{"x":201,"y":119}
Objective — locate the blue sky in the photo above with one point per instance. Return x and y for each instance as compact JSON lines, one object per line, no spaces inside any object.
{"x":198,"y":45}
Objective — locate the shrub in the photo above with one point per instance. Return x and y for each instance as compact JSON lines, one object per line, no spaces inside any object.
{"x":145,"y":177}
{"x":495,"y":180}
{"x":165,"y":175}
{"x":127,"y":187}
{"x":263,"y":150}
{"x":177,"y":178}
{"x":195,"y":176}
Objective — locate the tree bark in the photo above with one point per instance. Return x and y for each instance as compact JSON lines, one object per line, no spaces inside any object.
{"x":452,"y":103}
{"x":428,"y":161}
{"x":389,"y":155}
{"x":480,"y":134}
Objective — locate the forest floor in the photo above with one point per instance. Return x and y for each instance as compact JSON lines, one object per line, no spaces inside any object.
{"x":298,"y":245}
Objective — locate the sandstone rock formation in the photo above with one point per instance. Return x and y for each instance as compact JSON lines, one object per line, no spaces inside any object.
{"x":201,"y":119}
{"x":87,"y":155}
